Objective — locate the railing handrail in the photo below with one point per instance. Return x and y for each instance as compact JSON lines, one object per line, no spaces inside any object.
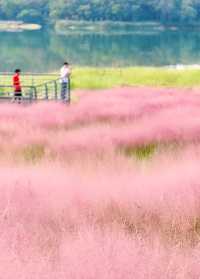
{"x":29,"y":74}
{"x":23,"y":86}
{"x":47,"y":82}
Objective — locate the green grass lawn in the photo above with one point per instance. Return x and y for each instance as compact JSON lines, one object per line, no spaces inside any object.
{"x":99,"y":78}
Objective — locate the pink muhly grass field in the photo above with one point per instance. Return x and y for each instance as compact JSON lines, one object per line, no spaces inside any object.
{"x":102,"y":122}
{"x":102,"y":221}
{"x":106,"y":188}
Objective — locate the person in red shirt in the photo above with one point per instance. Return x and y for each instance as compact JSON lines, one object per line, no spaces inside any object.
{"x":17,"y":86}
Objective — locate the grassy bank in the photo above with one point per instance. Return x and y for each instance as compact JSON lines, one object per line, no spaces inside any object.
{"x":98,"y":78}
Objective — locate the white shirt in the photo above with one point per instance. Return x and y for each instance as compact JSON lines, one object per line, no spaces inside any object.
{"x":64,"y":74}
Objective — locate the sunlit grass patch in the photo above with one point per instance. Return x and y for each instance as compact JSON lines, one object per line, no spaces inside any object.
{"x":141,"y":152}
{"x":98,"y":78}
{"x":33,"y":153}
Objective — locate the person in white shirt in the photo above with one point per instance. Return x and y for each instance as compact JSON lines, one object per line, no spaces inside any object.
{"x":65,"y":73}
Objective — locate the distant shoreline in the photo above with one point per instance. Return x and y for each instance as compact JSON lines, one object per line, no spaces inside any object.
{"x":18,"y":26}
{"x":72,"y":26}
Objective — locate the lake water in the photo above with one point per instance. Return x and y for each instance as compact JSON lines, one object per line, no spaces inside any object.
{"x":42,"y":51}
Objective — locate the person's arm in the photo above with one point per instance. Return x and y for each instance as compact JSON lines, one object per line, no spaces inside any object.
{"x":69,"y":71}
{"x":13,"y":81}
{"x":20,"y":87}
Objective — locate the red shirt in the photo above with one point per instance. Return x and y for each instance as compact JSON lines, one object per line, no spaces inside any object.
{"x":16,"y":83}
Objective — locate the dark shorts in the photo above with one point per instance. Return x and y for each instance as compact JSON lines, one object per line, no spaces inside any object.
{"x":18,"y":93}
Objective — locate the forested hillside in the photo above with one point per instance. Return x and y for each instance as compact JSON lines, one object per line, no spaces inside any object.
{"x":165,"y":11}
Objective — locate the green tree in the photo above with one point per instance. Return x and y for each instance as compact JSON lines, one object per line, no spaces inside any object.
{"x":165,"y":11}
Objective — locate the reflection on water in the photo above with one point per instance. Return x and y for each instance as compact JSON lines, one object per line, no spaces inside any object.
{"x":44,"y":51}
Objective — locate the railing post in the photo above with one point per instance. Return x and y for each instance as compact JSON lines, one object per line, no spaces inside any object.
{"x":30,"y":94}
{"x":46,"y":92}
{"x":35,"y":92}
{"x":69,"y":90}
{"x":56,"y":90}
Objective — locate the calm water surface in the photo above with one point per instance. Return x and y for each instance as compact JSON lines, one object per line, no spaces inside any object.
{"x":43,"y":51}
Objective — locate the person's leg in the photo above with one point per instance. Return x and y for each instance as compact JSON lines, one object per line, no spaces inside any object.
{"x":18,"y":97}
{"x":15,"y":97}
{"x":67,"y":93}
{"x":63,"y":91}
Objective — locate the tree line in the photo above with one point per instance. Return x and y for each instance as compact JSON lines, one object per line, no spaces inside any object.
{"x":47,"y":11}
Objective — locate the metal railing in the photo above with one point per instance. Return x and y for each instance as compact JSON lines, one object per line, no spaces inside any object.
{"x":29,"y":92}
{"x":34,"y":87}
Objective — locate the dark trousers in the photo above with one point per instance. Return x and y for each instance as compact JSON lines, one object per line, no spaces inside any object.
{"x":65,"y":92}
